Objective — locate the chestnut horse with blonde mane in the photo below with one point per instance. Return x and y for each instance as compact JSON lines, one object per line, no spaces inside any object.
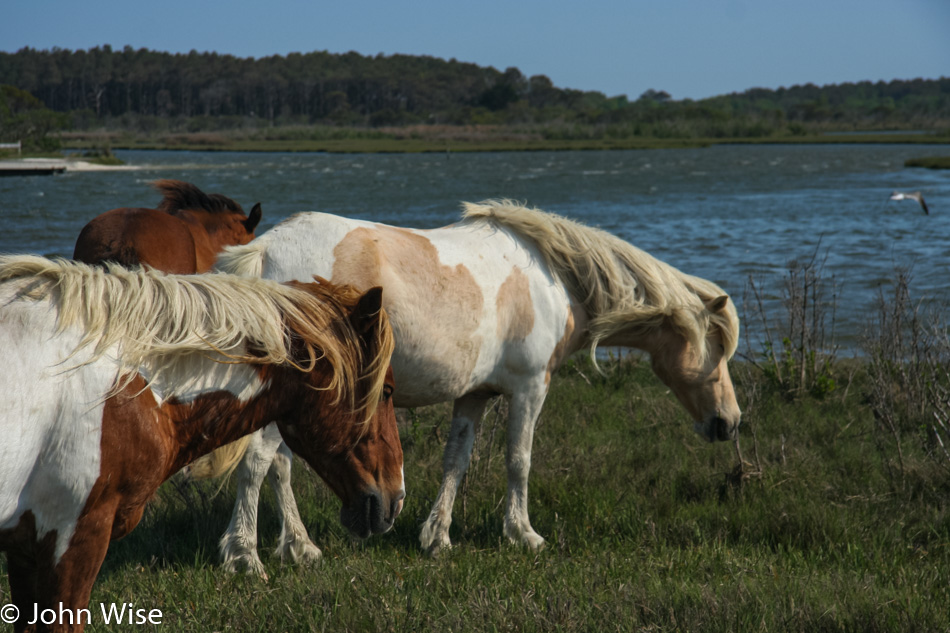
{"x":491,"y":306}
{"x":116,"y":379}
{"x":183,"y":235}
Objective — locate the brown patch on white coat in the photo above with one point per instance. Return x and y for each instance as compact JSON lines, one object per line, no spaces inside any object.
{"x":514,"y":308}
{"x":447,"y":296}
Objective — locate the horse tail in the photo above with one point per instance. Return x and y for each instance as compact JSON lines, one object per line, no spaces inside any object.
{"x":219,"y":462}
{"x":246,"y":260}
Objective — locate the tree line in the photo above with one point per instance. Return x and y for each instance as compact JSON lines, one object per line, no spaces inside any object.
{"x":134,"y":85}
{"x":349,"y":87}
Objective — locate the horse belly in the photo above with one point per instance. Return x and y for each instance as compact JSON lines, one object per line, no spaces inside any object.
{"x":423,"y":378}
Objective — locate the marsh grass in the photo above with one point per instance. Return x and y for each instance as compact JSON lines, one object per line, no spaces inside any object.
{"x":796,"y":352}
{"x":433,"y":138}
{"x":929,"y":162}
{"x":909,"y":381}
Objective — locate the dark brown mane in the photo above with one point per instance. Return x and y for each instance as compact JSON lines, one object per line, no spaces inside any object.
{"x":178,"y":196}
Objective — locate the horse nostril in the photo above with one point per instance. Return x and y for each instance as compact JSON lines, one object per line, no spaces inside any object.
{"x":395,"y":506}
{"x":724,"y":431}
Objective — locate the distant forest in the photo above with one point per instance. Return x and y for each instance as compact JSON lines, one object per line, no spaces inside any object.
{"x":142,"y":89}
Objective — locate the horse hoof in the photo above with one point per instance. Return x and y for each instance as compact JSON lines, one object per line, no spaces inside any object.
{"x":436,"y":549}
{"x":537,"y":544}
{"x":531,"y":540}
{"x":249,"y":565}
{"x":300,"y":553}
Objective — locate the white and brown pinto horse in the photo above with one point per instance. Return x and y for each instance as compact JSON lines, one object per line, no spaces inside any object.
{"x":115,"y":379}
{"x":492,"y":305}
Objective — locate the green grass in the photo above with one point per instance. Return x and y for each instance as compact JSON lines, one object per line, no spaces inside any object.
{"x":929,"y":162}
{"x":646,"y":530}
{"x":346,"y":140}
{"x":393,"y":145}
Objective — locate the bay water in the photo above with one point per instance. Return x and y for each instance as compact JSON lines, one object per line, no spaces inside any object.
{"x":727,"y":213}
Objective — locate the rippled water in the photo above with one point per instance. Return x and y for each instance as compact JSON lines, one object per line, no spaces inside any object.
{"x":724,"y":213}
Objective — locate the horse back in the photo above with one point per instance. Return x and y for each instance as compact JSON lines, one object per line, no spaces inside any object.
{"x":470,"y":304}
{"x":138,"y":236}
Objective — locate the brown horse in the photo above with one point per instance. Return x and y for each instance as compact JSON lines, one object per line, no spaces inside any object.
{"x":98,"y":411}
{"x":183,"y":235}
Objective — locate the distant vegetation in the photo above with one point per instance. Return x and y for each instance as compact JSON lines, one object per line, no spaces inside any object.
{"x":24,"y":118}
{"x":155,"y":95}
{"x":930,"y":162}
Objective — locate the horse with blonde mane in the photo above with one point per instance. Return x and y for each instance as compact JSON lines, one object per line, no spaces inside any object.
{"x":491,"y":306}
{"x":116,"y":379}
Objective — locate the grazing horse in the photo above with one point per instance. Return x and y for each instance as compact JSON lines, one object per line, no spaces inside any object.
{"x":183,"y":235}
{"x":491,"y":306}
{"x":115,"y":379}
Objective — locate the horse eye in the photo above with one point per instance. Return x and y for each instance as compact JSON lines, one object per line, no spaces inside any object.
{"x":387,"y":392}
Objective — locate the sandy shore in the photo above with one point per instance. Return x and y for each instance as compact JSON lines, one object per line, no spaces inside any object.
{"x":68,"y":164}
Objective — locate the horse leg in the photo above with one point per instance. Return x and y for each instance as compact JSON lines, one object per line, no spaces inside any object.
{"x":239,"y":543}
{"x":523,"y":412}
{"x":458,"y":451}
{"x":21,"y":572}
{"x":293,"y":535}
{"x":64,"y":586}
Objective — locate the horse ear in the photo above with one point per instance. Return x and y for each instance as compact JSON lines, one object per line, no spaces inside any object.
{"x":252,"y":220}
{"x":365,"y":315}
{"x":718,"y":304}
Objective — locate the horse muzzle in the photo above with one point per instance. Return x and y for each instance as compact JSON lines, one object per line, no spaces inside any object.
{"x":717,"y":429}
{"x":369,"y":515}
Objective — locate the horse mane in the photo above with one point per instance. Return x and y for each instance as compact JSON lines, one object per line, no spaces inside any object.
{"x":179,"y":196}
{"x":623,"y":288}
{"x":158,"y":320}
{"x":247,"y":260}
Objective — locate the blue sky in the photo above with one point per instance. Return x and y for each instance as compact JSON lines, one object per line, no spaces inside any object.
{"x":690,"y":48}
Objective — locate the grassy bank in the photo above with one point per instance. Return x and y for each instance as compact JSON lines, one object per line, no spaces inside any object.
{"x":929,"y":162}
{"x":438,"y":139}
{"x":648,"y":528}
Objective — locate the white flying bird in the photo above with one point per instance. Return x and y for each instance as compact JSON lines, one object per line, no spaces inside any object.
{"x":915,"y":195}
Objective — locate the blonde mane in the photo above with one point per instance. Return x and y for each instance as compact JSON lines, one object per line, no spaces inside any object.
{"x":156,"y":320}
{"x":622,"y":288}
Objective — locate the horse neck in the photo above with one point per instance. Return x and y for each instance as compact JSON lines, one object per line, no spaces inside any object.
{"x":647,"y":340}
{"x":215,"y":418}
{"x":209,"y":239}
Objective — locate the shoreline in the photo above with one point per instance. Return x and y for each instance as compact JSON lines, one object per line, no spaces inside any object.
{"x":73,"y":163}
{"x":40,"y":166}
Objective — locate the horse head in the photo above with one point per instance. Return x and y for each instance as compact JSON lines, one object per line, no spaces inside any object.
{"x":354,"y":445}
{"x":699,"y":375}
{"x":233,"y":228}
{"x":221,"y":217}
